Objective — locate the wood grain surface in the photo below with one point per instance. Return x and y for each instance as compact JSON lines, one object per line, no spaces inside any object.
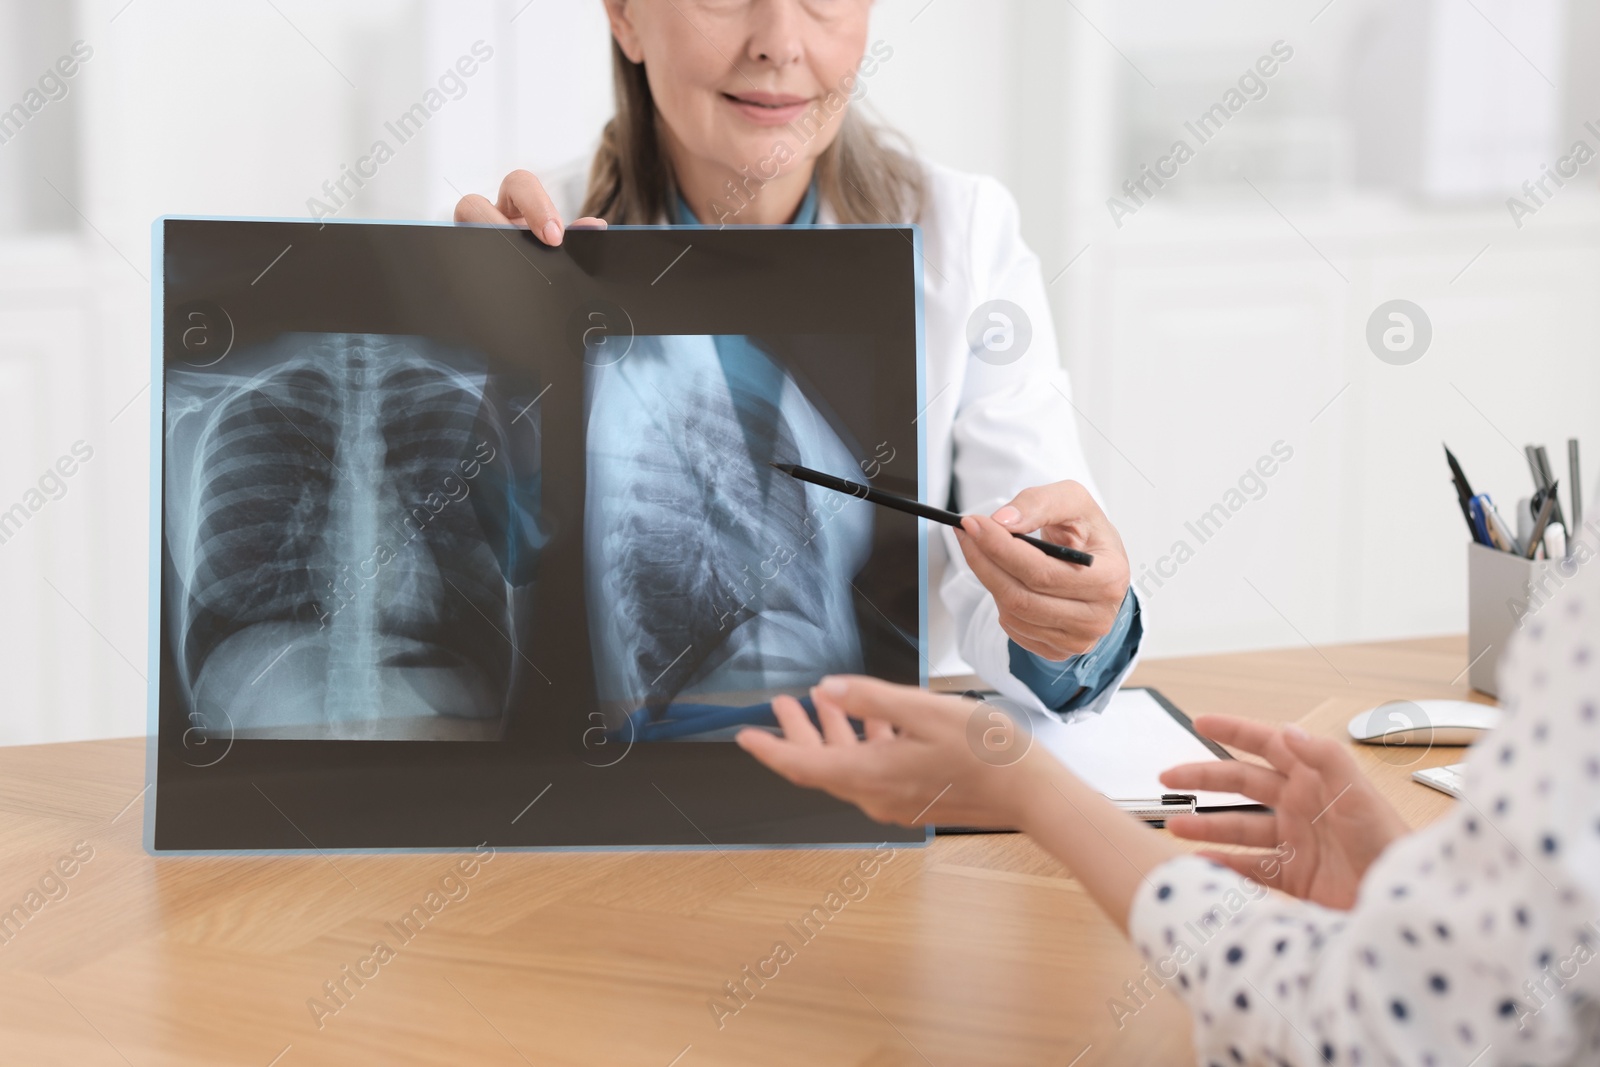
{"x":975,"y":950}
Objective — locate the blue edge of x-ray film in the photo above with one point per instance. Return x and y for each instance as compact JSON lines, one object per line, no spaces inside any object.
{"x":157,"y":460}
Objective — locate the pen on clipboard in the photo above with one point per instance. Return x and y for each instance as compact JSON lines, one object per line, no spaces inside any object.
{"x":1155,"y":810}
{"x":916,"y":507}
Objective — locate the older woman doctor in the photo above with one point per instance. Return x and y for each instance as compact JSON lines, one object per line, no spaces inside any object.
{"x":738,"y":112}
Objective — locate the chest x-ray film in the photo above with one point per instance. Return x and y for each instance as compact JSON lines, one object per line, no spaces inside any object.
{"x":459,"y":537}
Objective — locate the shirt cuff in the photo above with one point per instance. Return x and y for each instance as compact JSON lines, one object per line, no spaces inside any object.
{"x":1068,"y":685}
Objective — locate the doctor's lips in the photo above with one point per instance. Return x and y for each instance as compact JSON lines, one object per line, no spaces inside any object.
{"x":769,"y":109}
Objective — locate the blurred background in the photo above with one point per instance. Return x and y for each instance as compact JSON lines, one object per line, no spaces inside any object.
{"x":1204,"y":321}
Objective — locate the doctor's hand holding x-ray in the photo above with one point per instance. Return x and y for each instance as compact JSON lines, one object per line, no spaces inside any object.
{"x":741,"y":112}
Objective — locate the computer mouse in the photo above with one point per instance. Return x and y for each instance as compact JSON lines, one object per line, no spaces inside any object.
{"x":1424,"y":722}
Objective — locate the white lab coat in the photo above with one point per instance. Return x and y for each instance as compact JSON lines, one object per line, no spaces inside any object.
{"x":993,"y":429}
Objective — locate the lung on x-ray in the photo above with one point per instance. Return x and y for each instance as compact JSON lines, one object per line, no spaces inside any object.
{"x":724,"y":580}
{"x":335,"y":569}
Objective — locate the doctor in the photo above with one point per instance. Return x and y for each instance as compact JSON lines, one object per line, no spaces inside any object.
{"x":738,"y":112}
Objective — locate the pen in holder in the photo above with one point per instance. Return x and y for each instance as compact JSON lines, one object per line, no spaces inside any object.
{"x":1505,"y":592}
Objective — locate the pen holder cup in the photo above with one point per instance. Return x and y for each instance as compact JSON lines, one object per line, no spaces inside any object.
{"x":1504,"y":592}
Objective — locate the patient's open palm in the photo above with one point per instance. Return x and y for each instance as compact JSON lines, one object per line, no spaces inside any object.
{"x":1328,"y":822}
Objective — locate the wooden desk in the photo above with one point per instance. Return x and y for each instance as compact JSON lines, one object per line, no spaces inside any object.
{"x":976,"y":950}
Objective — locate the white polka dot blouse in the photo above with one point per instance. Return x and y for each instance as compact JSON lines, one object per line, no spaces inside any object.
{"x":1472,"y":942}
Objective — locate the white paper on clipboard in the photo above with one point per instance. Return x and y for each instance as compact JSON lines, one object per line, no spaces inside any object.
{"x":1122,"y":751}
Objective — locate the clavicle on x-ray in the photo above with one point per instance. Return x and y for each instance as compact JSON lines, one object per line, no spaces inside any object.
{"x":331,"y":574}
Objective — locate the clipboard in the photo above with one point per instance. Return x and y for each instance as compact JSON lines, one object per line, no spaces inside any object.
{"x":1122,"y":751}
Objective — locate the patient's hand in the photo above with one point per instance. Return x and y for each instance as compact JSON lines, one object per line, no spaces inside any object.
{"x":916,"y":765}
{"x":1325,"y":810}
{"x":523,"y":202}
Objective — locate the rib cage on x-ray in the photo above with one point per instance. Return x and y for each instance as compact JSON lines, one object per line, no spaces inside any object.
{"x":330,"y":571}
{"x":709,"y":572}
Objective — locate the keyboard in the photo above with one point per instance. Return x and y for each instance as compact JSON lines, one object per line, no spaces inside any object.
{"x":1446,"y":779}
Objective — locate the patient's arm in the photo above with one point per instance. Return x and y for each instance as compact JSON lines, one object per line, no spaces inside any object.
{"x":1469,"y":941}
{"x":916,"y":766}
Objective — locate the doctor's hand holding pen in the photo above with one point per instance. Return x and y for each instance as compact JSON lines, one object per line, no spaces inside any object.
{"x":1049,"y":607}
{"x":1051,"y":559}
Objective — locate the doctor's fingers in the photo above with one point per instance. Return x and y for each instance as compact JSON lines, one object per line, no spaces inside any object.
{"x":522,"y":196}
{"x":1070,"y":625}
{"x":1045,"y":608}
{"x":994,"y":577}
{"x":474,"y":208}
{"x":1059,"y":503}
{"x":1030,"y":566}
{"x":1019,"y":559}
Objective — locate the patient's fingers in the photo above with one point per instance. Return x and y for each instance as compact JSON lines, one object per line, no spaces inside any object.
{"x":1227,"y":828}
{"x":809,"y":765}
{"x":878,"y":730}
{"x":1227,"y":776}
{"x":836,"y":728}
{"x":1259,"y":738}
{"x":1322,"y":754}
{"x":907,"y":708}
{"x":1253,"y":865}
{"x":796,"y":723}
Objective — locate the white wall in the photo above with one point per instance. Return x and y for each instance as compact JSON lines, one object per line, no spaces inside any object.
{"x":1209,"y":326}
{"x":1203,"y":330}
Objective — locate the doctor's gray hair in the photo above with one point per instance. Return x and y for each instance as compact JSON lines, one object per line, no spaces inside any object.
{"x":862,"y":176}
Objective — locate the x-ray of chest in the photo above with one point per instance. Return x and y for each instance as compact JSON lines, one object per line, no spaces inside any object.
{"x":339,"y":563}
{"x":427,"y":483}
{"x":718,"y":579}
{"x":353,"y":527}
